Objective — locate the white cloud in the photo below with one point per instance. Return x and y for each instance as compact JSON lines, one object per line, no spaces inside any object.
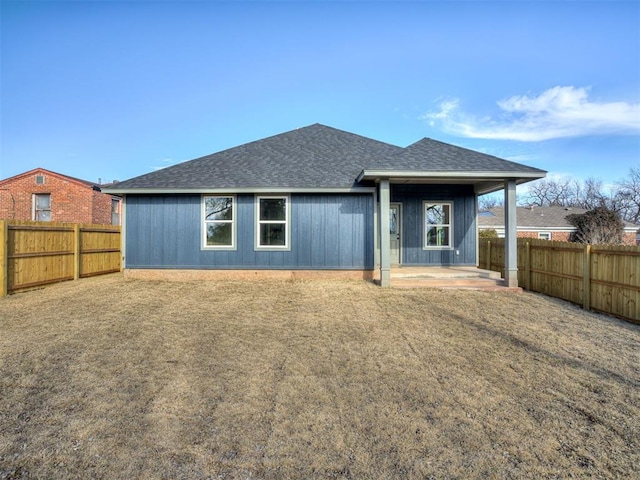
{"x":167,"y":161}
{"x":555,"y":113}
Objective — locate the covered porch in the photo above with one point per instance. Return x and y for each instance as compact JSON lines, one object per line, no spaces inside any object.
{"x":393,"y":270}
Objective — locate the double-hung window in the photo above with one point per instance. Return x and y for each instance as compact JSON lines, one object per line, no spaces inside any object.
{"x":438,"y":226}
{"x":272,"y":229}
{"x":219,"y":230}
{"x":42,"y":207}
{"x":115,"y":211}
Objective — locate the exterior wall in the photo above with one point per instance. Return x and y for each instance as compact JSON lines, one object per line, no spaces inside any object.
{"x":327,"y":232}
{"x":560,"y":236}
{"x":102,"y":208}
{"x":627,"y":239}
{"x":464,"y":223}
{"x":631,"y":239}
{"x":555,"y":236}
{"x":71,"y":201}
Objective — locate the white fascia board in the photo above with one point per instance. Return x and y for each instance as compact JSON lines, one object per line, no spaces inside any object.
{"x":479,"y":175}
{"x":198,"y":191}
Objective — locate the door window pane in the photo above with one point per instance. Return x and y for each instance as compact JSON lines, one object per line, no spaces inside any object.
{"x":393,"y":220}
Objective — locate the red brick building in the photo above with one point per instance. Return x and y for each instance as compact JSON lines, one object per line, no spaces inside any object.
{"x":548,"y":223}
{"x":43,"y":195}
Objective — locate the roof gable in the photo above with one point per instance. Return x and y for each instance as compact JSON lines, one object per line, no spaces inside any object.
{"x":44,"y":171}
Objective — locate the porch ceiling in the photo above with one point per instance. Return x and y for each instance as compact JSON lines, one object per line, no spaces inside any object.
{"x":483,"y":182}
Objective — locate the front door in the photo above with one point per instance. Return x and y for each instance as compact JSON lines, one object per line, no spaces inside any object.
{"x":395,"y":229}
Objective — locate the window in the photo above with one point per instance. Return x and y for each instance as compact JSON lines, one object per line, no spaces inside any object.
{"x":42,"y":207}
{"x":438,"y":227}
{"x":115,"y":211}
{"x":544,"y":235}
{"x":273,"y":219}
{"x":39,"y":179}
{"x":219,"y":222}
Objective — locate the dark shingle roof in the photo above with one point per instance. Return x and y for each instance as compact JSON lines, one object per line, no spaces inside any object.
{"x":316,"y":156}
{"x":432,"y":155}
{"x":535,"y":217}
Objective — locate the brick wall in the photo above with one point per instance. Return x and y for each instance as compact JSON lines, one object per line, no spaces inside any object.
{"x":71,"y":200}
{"x":560,"y":236}
{"x":101,"y":208}
{"x":628,"y":238}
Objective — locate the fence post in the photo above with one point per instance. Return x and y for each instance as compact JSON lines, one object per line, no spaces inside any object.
{"x":527,"y":265}
{"x":4,"y":263}
{"x":586,"y":278}
{"x":76,"y":251}
{"x":488,"y":254}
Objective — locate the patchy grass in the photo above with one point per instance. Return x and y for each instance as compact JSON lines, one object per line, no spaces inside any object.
{"x":119,"y":378}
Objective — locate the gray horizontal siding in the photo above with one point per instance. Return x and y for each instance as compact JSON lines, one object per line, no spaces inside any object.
{"x":327,"y":232}
{"x":464,"y":223}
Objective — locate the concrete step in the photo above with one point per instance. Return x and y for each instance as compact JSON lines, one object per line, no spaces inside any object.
{"x":485,"y":284}
{"x":443,"y":273}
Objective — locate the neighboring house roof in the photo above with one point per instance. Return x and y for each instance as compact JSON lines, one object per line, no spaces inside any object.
{"x":536,"y":218}
{"x":318,"y":157}
{"x":38,"y":170}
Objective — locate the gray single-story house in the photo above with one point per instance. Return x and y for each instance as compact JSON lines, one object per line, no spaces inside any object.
{"x":316,"y":198}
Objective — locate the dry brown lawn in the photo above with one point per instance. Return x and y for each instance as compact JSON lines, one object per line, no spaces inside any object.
{"x":120,"y":378}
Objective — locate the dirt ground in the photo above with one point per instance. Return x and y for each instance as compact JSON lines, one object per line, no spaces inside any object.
{"x":120,"y":378}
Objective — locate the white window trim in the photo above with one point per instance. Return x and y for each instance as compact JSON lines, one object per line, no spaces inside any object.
{"x":233,"y":222}
{"x":34,"y":206}
{"x":424,"y":226}
{"x":287,"y":224}
{"x":545,"y":233}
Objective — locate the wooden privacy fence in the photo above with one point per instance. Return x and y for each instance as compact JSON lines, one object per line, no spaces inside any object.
{"x":38,"y":253}
{"x":605,"y":278}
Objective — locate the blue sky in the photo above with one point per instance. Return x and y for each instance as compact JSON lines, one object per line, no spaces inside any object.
{"x":116,"y":89}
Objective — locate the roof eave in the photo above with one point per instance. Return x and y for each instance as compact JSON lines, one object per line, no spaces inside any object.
{"x":236,"y":190}
{"x":483,"y":181}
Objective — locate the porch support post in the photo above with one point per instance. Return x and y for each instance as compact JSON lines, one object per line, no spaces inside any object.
{"x":511,"y":234}
{"x":385,"y":244}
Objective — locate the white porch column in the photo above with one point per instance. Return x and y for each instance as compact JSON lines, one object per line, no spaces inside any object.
{"x":385,"y":244}
{"x":510,"y":234}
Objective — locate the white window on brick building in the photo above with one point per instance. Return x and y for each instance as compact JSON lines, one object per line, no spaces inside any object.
{"x":115,"y":211}
{"x":42,"y":207}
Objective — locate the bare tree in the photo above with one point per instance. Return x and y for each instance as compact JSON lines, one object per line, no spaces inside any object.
{"x":628,"y":196}
{"x":600,"y":225}
{"x":547,"y":192}
{"x":591,"y":194}
{"x":486,"y":202}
